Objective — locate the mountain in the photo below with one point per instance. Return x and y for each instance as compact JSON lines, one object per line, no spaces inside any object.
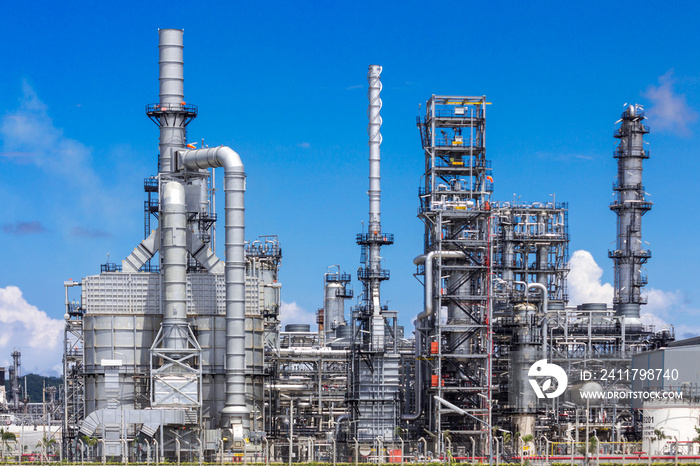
{"x":35,"y":385}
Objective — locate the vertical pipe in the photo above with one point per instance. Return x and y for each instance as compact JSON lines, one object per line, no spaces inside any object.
{"x":375,"y":139}
{"x":172,"y":127}
{"x":174,"y":265}
{"x":374,"y":227}
{"x":235,"y":409}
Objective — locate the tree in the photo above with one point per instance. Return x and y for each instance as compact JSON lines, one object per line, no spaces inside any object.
{"x":90,"y":442}
{"x":697,"y":438}
{"x":47,"y":445}
{"x":526,"y":439}
{"x":659,"y":435}
{"x":6,"y":437}
{"x":592,"y":446}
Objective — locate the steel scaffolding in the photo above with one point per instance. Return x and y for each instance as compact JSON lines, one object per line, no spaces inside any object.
{"x":453,"y":335}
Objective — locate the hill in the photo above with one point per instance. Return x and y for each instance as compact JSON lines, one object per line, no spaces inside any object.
{"x":35,"y":385}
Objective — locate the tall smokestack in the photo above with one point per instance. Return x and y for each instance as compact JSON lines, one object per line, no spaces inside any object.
{"x":172,"y":114}
{"x":630,"y":205}
{"x":375,"y":140}
{"x":372,"y":274}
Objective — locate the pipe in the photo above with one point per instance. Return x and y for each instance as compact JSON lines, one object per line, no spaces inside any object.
{"x":171,"y":66}
{"x":172,"y":95}
{"x":418,"y":385}
{"x":545,"y":308}
{"x":174,"y":265}
{"x":374,"y":227}
{"x":375,"y":139}
{"x":286,"y":387}
{"x":235,"y":409}
{"x":341,"y":418}
{"x":428,"y":260}
{"x":319,"y":352}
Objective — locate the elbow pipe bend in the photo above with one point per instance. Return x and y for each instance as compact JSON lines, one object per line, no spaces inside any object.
{"x":221,"y":156}
{"x":428,"y":260}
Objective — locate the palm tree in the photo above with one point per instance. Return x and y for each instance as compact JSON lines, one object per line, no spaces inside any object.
{"x":6,"y":437}
{"x":527,"y":439}
{"x":90,"y":442}
{"x":47,"y":445}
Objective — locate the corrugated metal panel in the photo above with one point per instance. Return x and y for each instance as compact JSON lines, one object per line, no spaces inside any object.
{"x":140,"y":293}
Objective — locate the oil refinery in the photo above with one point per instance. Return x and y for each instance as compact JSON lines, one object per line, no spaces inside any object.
{"x":175,"y":352}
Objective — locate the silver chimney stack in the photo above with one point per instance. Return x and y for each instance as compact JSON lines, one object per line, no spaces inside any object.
{"x":630,"y":205}
{"x":171,"y":114}
{"x":372,"y":274}
{"x":375,"y":140}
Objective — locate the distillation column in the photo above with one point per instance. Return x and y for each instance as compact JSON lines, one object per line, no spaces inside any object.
{"x":630,"y":205}
{"x":335,"y":292}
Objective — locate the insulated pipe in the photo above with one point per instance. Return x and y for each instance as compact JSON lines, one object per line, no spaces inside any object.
{"x":174,"y":265}
{"x":428,"y":260}
{"x":172,"y":95}
{"x":235,"y":409}
{"x":319,"y":352}
{"x":171,"y":66}
{"x":545,"y":308}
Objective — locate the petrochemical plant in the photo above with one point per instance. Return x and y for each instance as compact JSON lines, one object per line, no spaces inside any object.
{"x":176,"y":351}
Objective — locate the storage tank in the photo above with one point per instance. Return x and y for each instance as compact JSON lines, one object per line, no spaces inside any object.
{"x":673,"y":419}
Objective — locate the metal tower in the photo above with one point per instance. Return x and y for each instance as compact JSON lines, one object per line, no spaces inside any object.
{"x":73,"y":372}
{"x":14,"y":377}
{"x":453,"y":332}
{"x":374,"y":371}
{"x":630,"y":205}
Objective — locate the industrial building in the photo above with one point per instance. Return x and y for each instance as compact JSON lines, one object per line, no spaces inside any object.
{"x":175,"y":351}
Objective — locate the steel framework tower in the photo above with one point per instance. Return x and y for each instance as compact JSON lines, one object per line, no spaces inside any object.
{"x":73,"y":372}
{"x":453,"y":338}
{"x":630,"y":205}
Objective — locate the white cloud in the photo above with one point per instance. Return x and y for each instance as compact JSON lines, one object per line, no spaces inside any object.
{"x":584,"y":280}
{"x":29,"y":130}
{"x":304,"y":145}
{"x":28,"y":135}
{"x":292,"y":313}
{"x":664,"y":309}
{"x":669,"y":111}
{"x":32,"y":331}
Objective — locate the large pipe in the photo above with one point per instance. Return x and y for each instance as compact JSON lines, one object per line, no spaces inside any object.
{"x":428,"y":260}
{"x":174,"y":265}
{"x":235,"y":409}
{"x":545,"y":308}
{"x":171,"y":66}
{"x":172,"y":95}
{"x":375,"y":140}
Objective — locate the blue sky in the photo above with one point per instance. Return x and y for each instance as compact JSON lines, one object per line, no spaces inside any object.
{"x":284,"y":84}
